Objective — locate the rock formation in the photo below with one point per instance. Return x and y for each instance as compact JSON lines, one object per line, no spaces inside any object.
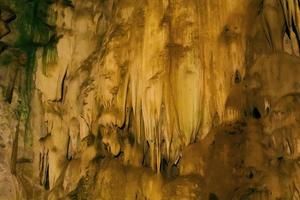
{"x":164,"y":99}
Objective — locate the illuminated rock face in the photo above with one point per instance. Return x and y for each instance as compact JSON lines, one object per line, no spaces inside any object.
{"x":166,"y":99}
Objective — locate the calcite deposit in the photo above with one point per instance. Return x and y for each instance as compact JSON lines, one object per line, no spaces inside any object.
{"x":149,"y":99}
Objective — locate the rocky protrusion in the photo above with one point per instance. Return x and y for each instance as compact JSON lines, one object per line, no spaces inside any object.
{"x":6,"y":16}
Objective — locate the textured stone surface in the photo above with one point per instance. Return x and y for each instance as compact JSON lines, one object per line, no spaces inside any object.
{"x":164,"y":99}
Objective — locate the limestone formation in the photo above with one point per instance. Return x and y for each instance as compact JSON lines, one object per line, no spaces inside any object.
{"x":149,"y":99}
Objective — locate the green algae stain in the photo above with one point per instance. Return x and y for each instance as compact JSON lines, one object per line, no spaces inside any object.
{"x":35,"y":28}
{"x":5,"y":59}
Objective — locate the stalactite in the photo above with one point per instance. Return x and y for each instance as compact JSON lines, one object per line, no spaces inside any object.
{"x":14,"y":154}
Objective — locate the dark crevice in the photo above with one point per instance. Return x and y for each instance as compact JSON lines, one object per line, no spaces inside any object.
{"x":237,"y":77}
{"x":47,"y":186}
{"x":213,"y":196}
{"x":255,"y":113}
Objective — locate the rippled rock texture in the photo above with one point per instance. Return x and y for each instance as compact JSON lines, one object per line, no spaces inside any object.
{"x":149,"y":99}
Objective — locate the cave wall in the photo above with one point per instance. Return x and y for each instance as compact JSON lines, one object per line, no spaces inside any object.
{"x":161,"y":96}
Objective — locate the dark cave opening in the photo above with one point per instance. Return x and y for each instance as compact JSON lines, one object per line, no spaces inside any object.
{"x":255,"y":113}
{"x":212,"y":196}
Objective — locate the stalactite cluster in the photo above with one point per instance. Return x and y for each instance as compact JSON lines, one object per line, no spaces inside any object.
{"x":149,"y":99}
